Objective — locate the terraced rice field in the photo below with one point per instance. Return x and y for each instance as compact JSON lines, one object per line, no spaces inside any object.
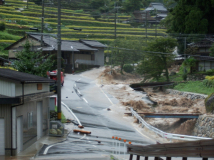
{"x":18,"y":21}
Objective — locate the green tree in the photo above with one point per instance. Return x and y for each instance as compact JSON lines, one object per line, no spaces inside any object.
{"x":154,"y":64}
{"x":212,"y":50}
{"x":96,"y":14}
{"x":2,"y":26}
{"x":125,"y":52}
{"x":32,"y":62}
{"x":193,"y":16}
{"x":132,"y":5}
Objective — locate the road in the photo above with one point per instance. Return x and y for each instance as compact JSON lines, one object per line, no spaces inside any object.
{"x":91,"y":110}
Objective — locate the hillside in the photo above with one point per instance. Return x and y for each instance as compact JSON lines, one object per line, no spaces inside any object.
{"x":19,"y":18}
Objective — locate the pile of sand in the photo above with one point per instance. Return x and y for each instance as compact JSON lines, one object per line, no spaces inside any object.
{"x":113,"y":76}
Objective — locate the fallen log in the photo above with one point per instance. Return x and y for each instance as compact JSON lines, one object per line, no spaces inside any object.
{"x":81,"y":131}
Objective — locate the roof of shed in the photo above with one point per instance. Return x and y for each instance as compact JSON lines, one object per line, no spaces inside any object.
{"x":23,"y":77}
{"x":92,"y":43}
{"x":80,"y":46}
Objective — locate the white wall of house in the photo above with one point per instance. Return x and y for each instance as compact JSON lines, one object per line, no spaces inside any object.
{"x":99,"y":57}
{"x":205,"y":65}
{"x":31,"y":88}
{"x":12,"y":52}
{"x":7,"y":88}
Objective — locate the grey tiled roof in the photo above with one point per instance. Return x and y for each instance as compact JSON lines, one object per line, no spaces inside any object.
{"x":157,"y":6}
{"x":93,"y":43}
{"x":65,"y":45}
{"x":23,"y":77}
{"x":80,"y":46}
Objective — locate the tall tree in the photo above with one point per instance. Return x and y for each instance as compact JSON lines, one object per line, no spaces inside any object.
{"x":125,"y":52}
{"x":193,"y":16}
{"x":32,"y":62}
{"x":132,"y":5}
{"x":212,"y":50}
{"x":154,"y":64}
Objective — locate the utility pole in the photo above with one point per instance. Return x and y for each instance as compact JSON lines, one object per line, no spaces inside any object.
{"x":115,"y":23}
{"x":146,"y":26}
{"x":27,"y":4}
{"x":42,"y":27}
{"x":185,"y":54}
{"x":59,"y":63}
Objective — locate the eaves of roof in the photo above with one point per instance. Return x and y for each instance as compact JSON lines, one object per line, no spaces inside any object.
{"x":23,"y":77}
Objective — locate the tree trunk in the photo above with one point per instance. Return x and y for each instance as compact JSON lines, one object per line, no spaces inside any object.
{"x":165,"y":64}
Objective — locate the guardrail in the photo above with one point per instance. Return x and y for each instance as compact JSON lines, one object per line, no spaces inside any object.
{"x":165,"y":134}
{"x":203,"y":148}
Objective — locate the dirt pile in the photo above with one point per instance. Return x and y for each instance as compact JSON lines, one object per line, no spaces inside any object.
{"x":137,"y":105}
{"x":186,"y":128}
{"x":113,"y":76}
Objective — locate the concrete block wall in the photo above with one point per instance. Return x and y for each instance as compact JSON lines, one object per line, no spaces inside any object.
{"x":204,"y":126}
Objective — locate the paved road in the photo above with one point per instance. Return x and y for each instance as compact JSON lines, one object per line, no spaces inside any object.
{"x":91,"y":110}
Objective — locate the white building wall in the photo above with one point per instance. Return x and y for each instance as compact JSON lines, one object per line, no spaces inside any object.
{"x":99,"y":57}
{"x":31,"y":88}
{"x":7,"y":88}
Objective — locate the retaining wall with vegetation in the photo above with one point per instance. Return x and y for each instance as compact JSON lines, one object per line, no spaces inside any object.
{"x":204,"y":126}
{"x":188,"y":95}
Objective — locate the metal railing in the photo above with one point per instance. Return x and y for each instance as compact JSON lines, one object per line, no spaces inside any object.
{"x":165,"y":134}
{"x":203,"y":148}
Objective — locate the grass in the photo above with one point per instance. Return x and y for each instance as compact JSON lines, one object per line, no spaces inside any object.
{"x":6,"y":36}
{"x":63,"y":119}
{"x":194,"y":86}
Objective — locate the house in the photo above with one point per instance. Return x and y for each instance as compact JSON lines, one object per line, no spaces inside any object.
{"x":158,"y":11}
{"x":3,"y":61}
{"x":142,"y":17}
{"x":72,"y":51}
{"x":157,"y":7}
{"x":1,"y":2}
{"x":24,"y":102}
{"x":204,"y":61}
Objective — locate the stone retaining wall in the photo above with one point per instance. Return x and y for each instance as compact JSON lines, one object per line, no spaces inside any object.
{"x":204,"y":126}
{"x":188,"y":95}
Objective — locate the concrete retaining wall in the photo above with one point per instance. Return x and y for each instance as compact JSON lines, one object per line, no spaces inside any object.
{"x":188,"y":95}
{"x":204,"y":126}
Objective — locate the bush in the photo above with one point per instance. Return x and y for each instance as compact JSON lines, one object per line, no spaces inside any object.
{"x":184,"y":76}
{"x":128,"y":68}
{"x":210,"y":72}
{"x":209,"y":83}
{"x":209,"y":103}
{"x":2,"y":26}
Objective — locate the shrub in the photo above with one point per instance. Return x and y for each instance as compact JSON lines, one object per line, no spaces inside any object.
{"x":2,"y":26}
{"x":210,"y":72}
{"x":209,"y":83}
{"x":184,"y":76}
{"x":128,"y":68}
{"x":209,"y":103}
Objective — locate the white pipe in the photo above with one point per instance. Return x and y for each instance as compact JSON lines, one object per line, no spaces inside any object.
{"x":71,"y":113}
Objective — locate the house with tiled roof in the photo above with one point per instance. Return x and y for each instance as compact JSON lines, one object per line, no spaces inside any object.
{"x":205,"y":62}
{"x":82,"y":52}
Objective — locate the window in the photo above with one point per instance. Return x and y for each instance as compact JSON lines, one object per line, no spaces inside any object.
{"x":39,"y":86}
{"x":30,"y":119}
